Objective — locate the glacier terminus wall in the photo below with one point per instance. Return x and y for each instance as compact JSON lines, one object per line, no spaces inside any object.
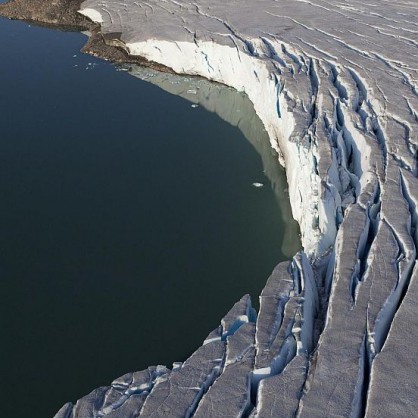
{"x":335,"y":83}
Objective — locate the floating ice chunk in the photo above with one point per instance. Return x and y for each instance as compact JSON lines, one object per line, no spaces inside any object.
{"x":258,"y":185}
{"x":194,"y":106}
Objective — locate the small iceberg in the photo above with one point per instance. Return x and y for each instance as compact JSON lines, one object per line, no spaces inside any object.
{"x":256,"y":184}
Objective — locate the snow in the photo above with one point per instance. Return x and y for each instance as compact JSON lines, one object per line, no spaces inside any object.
{"x":92,"y":14}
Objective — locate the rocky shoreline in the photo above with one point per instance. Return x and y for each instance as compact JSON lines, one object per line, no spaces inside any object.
{"x":60,"y":13}
{"x":63,"y":15}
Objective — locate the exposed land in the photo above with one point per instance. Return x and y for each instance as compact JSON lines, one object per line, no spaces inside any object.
{"x":63,"y":15}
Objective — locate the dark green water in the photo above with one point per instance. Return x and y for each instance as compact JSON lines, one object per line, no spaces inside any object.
{"x":128,"y":225}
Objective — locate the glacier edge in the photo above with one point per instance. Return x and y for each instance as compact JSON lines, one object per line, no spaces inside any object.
{"x":336,"y":87}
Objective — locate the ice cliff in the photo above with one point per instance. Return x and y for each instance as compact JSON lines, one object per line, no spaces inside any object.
{"x":335,"y":84}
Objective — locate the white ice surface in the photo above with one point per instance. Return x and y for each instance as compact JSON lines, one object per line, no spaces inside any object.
{"x":92,"y":14}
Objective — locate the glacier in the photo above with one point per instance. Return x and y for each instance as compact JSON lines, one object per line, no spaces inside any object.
{"x":335,"y":84}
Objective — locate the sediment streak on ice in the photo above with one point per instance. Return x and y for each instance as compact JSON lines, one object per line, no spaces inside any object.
{"x":336,"y":87}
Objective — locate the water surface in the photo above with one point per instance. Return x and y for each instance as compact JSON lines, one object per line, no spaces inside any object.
{"x":129,"y":222}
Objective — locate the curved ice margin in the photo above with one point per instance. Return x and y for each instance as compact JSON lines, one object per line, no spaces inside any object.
{"x":337,"y":93}
{"x":256,"y":77}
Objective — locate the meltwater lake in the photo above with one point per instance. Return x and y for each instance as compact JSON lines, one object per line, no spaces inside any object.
{"x":130,"y":217}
